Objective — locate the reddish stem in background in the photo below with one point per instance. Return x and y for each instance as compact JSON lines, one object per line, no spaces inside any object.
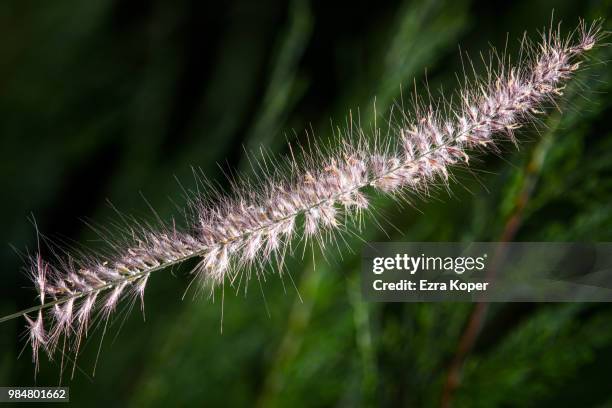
{"x":479,"y":312}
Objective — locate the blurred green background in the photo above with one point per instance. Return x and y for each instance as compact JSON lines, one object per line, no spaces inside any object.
{"x":106,"y":99}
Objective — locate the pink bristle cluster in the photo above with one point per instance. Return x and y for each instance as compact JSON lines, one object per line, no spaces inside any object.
{"x":256,"y":226}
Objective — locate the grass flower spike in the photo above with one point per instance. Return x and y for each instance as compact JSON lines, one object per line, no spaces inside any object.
{"x":309,"y":197}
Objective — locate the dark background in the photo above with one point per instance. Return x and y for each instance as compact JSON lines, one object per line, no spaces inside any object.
{"x":110,"y":99}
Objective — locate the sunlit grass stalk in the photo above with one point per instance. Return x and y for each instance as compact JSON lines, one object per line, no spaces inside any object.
{"x":311,"y":196}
